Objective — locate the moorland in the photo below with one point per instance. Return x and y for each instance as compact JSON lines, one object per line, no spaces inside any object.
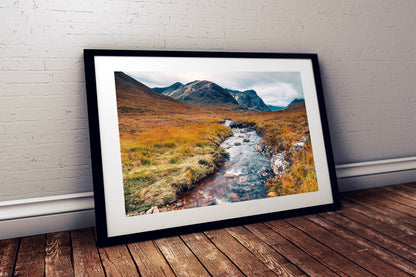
{"x":169,"y":146}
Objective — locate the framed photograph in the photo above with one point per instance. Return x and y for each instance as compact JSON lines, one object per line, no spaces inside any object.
{"x":190,"y":141}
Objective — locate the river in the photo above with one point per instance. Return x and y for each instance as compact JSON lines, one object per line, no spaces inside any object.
{"x":237,"y":179}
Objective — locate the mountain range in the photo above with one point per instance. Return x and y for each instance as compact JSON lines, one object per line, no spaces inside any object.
{"x":281,"y":108}
{"x":132,"y":95}
{"x":249,"y":100}
{"x":202,"y":94}
{"x":209,"y":94}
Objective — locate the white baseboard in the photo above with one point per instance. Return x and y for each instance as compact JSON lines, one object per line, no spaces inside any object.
{"x":375,"y":167}
{"x":49,"y":205}
{"x":376,"y":180}
{"x":25,"y":217}
{"x":33,"y":216}
{"x":46,"y":224}
{"x":364,"y":175}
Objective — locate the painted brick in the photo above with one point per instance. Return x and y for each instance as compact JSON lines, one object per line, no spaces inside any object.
{"x":366,"y":51}
{"x":24,"y":77}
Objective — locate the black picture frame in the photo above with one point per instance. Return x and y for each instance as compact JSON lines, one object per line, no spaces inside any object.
{"x":112,"y":223}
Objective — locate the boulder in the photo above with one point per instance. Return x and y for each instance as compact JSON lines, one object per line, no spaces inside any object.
{"x":240,"y":125}
{"x":237,"y":124}
{"x":152,"y":210}
{"x":297,"y":146}
{"x":229,"y":175}
{"x":263,"y":148}
{"x":279,"y":164}
{"x":300,"y":144}
{"x":265,"y":174}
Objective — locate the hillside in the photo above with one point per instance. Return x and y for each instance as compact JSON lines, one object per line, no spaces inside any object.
{"x":169,"y":89}
{"x":135,"y":97}
{"x":204,"y":94}
{"x":249,"y":99}
{"x":295,"y":101}
{"x":281,"y":108}
{"x":169,"y":147}
{"x":300,"y":106}
{"x":276,"y":108}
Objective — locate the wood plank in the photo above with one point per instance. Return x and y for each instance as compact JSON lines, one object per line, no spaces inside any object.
{"x":365,"y":245}
{"x":270,"y":257}
{"x":401,"y":190}
{"x":413,"y":185}
{"x":85,"y":254}
{"x":58,"y":255}
{"x":408,"y":187}
{"x":149,"y":260}
{"x":380,"y":200}
{"x":393,"y":195}
{"x":291,"y":252}
{"x":346,"y":248}
{"x":379,"y":226}
{"x":31,"y":256}
{"x":369,"y":203}
{"x":8,"y":254}
{"x":181,"y":259}
{"x":249,"y":264}
{"x":392,"y":245}
{"x":380,"y":216}
{"x":327,"y":256}
{"x":117,"y":261}
{"x":213,"y":260}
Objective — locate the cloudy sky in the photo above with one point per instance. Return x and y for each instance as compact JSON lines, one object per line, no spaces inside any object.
{"x":275,"y":88}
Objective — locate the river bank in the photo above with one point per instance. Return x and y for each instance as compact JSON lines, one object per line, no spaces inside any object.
{"x":241,"y":177}
{"x":160,"y":164}
{"x":282,"y":140}
{"x":253,"y":170}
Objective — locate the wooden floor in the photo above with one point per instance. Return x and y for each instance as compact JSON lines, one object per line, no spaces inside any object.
{"x":373,"y":234}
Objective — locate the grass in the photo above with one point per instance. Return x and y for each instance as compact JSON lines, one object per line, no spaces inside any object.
{"x":281,"y":130}
{"x":300,"y":176}
{"x":167,"y":147}
{"x":160,"y":163}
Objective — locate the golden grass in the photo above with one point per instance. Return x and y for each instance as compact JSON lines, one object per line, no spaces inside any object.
{"x":299,"y":178}
{"x":162,"y":161}
{"x":168,"y":147}
{"x":281,"y":130}
{"x":165,"y":154}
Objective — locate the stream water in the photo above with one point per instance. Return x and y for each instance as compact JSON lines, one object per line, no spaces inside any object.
{"x":237,"y":179}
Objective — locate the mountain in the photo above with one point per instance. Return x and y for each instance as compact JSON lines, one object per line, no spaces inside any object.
{"x":276,"y":108}
{"x":300,"y":106}
{"x":281,"y":108}
{"x":295,"y":101}
{"x":202,"y":94}
{"x":133,"y":96}
{"x":249,"y":99}
{"x":169,"y":89}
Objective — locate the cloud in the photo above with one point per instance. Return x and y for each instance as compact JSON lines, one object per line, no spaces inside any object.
{"x":275,"y":88}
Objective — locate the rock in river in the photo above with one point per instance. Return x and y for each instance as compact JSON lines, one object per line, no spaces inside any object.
{"x":279,"y":164}
{"x":265,"y":173}
{"x":229,"y":175}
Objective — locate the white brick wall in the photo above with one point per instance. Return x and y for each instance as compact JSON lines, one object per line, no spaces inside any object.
{"x":366,"y":49}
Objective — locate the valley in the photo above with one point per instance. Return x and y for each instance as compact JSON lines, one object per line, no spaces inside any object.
{"x":170,"y":148}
